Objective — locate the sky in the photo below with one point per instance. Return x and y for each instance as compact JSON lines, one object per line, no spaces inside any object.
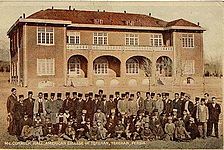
{"x":209,"y":14}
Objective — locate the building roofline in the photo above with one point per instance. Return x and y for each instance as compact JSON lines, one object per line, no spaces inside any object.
{"x":70,"y":24}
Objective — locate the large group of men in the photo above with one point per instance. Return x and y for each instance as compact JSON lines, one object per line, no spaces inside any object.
{"x":120,"y":116}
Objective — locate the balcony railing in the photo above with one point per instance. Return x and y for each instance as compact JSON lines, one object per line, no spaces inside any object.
{"x":125,"y":47}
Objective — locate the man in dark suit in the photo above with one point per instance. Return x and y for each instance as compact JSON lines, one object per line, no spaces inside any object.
{"x":187,"y":104}
{"x":67,"y":103}
{"x":29,"y":104}
{"x":89,"y":106}
{"x":168,"y":104}
{"x":79,"y":105}
{"x":214,"y":110}
{"x":177,"y":104}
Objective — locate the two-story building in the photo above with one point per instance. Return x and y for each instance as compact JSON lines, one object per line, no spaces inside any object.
{"x":99,"y":49}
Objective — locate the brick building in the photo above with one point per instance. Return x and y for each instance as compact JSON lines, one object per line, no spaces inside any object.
{"x":98,"y":49}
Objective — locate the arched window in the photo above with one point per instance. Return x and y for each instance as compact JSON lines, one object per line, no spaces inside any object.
{"x":100,"y":66}
{"x":74,"y":66}
{"x":132,"y":66}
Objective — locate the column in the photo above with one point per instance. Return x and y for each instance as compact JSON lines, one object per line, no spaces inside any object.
{"x":65,"y":57}
{"x":24,"y":57}
{"x":90,"y":73}
{"x":153,"y":69}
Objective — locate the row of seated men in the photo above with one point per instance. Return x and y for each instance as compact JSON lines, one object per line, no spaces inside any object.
{"x":119,"y":117}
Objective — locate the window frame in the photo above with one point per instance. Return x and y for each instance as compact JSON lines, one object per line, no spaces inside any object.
{"x":45,"y":66}
{"x":186,"y":41}
{"x":75,"y":35}
{"x":153,"y":38}
{"x":97,"y":38}
{"x":45,"y":36}
{"x":132,"y":68}
{"x":135,"y":39}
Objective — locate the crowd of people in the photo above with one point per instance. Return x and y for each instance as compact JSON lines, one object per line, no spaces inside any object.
{"x":120,"y":116}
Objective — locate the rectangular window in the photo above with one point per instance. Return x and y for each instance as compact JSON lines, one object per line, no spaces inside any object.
{"x":73,"y":38}
{"x":100,"y":38}
{"x":100,"y":68}
{"x":188,"y":40}
{"x":131,"y":39}
{"x":189,"y":67}
{"x":45,"y":35}
{"x":156,"y":40}
{"x":132,"y":68}
{"x":45,"y":67}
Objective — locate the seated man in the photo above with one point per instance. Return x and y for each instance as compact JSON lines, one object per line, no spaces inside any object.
{"x":137,"y":132}
{"x":158,"y":131}
{"x":38,"y":128}
{"x":147,"y":134}
{"x":101,"y":130}
{"x":69,"y":133}
{"x":169,"y":129}
{"x":93,"y":132}
{"x":192,"y":129}
{"x":25,"y":122}
{"x":119,"y":130}
{"x":100,"y":116}
{"x":59,"y":128}
{"x":181,"y":133}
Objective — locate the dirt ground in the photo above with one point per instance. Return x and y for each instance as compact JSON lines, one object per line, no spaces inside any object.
{"x":213,"y":86}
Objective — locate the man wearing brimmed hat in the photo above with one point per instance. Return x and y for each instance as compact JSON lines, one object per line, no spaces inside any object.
{"x":29,"y":104}
{"x":187,"y":104}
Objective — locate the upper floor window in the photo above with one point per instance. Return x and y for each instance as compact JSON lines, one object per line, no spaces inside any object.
{"x":189,"y":67}
{"x":73,"y":38}
{"x":100,"y":38}
{"x":129,"y":22}
{"x":45,"y":35}
{"x":98,"y":21}
{"x":45,"y":67}
{"x":188,"y":40}
{"x":132,"y":66}
{"x":100,"y":66}
{"x":131,"y":39}
{"x":156,"y":40}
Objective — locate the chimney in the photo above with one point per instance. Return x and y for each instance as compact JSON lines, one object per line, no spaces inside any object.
{"x":198,"y":23}
{"x":125,"y":11}
{"x":52,"y":7}
{"x":70,"y":7}
{"x":24,"y":15}
{"x":150,"y":14}
{"x":98,"y":10}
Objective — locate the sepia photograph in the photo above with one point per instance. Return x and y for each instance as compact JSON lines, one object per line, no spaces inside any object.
{"x":111,"y":74}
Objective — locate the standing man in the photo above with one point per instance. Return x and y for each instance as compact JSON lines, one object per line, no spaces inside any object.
{"x":159,"y":103}
{"x":140,"y":101}
{"x":207,"y":98}
{"x":59,"y":102}
{"x":148,"y":103}
{"x":187,"y":104}
{"x":122,"y":104}
{"x":29,"y":104}
{"x":67,"y":103}
{"x":202,"y":117}
{"x":214,"y":110}
{"x":40,"y":107}
{"x":132,"y":106}
{"x":177,"y":104}
{"x":52,"y":108}
{"x":88,"y":105}
{"x":79,"y":105}
{"x":168,"y":104}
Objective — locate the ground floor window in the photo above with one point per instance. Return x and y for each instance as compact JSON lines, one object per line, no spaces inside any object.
{"x":45,"y":66}
{"x":74,"y":67}
{"x":100,"y":66}
{"x":132,"y":66}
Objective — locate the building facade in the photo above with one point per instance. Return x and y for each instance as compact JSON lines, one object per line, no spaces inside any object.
{"x":53,"y":48}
